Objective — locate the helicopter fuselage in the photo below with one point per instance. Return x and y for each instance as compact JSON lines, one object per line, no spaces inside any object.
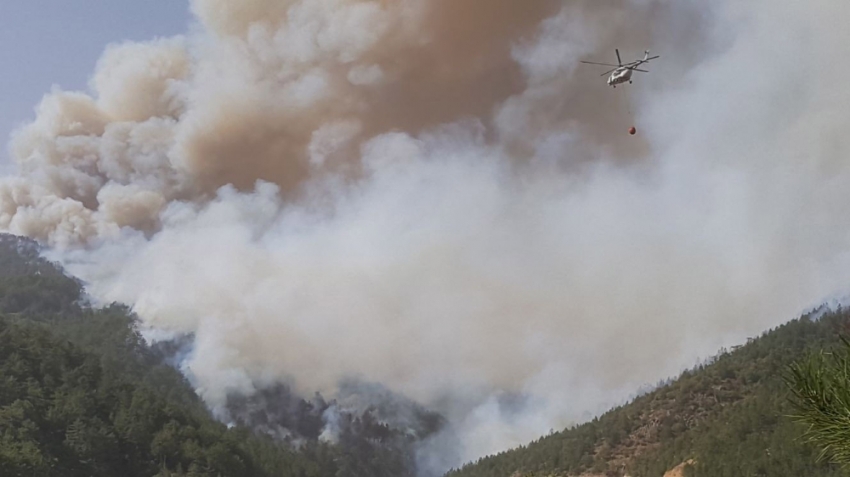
{"x":620,"y":76}
{"x":623,"y":72}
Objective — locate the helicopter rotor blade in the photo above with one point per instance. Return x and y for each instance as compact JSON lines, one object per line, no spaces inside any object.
{"x":640,"y":62}
{"x":618,"y":56}
{"x":642,"y":71}
{"x":603,"y":64}
{"x":610,"y":71}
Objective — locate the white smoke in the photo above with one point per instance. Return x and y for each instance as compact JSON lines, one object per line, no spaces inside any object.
{"x":416,"y":194}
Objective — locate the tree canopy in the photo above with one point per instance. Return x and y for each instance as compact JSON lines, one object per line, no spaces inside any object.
{"x":820,"y":386}
{"x":726,"y":417}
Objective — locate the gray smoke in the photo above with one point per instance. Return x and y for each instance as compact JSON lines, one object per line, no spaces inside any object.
{"x":434,"y":196}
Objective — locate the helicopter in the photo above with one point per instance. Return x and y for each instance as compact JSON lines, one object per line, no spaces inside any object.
{"x":622,"y":73}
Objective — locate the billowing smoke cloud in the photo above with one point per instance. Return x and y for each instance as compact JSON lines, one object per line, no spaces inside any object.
{"x":431,"y":195}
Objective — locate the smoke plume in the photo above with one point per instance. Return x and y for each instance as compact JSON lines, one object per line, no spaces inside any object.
{"x":435,"y":195}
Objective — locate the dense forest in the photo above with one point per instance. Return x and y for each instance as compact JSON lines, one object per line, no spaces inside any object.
{"x":82,"y":394}
{"x":726,"y":418}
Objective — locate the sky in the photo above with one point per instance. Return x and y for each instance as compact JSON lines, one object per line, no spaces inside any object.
{"x":58,"y":42}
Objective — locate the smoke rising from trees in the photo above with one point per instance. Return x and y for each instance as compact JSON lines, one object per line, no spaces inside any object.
{"x":432,"y":195}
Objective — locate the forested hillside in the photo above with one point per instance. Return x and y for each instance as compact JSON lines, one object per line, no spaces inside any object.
{"x":82,"y":394}
{"x":727,"y":418}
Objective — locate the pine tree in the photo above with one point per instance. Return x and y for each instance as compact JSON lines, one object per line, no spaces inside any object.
{"x":821,"y":396}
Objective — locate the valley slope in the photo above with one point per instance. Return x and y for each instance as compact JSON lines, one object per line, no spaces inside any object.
{"x":725,"y":418}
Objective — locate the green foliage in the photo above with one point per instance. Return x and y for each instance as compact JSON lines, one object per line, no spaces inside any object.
{"x":84,"y":395}
{"x":81,"y":394}
{"x":727,"y":415}
{"x":62,"y":412}
{"x":820,"y":386}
